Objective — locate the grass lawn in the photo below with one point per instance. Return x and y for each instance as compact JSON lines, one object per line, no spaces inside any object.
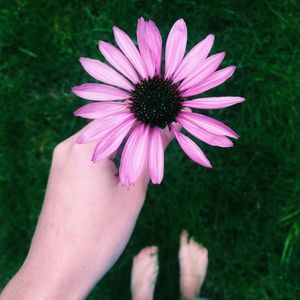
{"x":245,"y":211}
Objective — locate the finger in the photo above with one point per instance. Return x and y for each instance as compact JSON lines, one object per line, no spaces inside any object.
{"x":82,"y":154}
{"x":72,"y":140}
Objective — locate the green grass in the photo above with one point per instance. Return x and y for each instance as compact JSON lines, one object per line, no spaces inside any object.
{"x":245,"y":211}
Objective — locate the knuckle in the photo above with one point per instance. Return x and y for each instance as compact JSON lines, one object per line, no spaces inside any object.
{"x":60,"y":150}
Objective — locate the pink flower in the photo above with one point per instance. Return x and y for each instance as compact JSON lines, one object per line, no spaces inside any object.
{"x":155,"y":100}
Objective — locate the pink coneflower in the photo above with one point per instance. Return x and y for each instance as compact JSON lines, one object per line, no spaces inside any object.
{"x":155,"y":100}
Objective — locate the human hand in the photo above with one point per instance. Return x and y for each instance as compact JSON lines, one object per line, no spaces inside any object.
{"x":85,"y":223}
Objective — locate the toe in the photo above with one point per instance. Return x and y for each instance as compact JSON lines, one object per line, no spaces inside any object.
{"x":204,"y":252}
{"x":201,"y":248}
{"x":153,"y":250}
{"x":194,"y":246}
{"x":146,"y":251}
{"x":184,"y":237}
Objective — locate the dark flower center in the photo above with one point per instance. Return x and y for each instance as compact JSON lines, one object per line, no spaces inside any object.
{"x":156,"y":102}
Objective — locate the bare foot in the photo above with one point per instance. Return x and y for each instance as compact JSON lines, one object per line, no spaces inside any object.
{"x":144,"y":273}
{"x":193,"y":260}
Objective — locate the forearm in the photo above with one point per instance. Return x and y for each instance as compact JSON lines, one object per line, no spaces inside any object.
{"x":66,"y":263}
{"x":32,"y":284}
{"x":85,"y":223}
{"x":58,"y":266}
{"x":48,"y":275}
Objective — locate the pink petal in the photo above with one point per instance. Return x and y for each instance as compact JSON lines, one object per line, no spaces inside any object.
{"x":144,"y":48}
{"x":193,"y":59}
{"x":100,"y":127}
{"x":98,"y":110}
{"x":150,"y":45}
{"x":112,"y":140}
{"x":118,"y":60}
{"x":134,"y":155}
{"x":129,"y":49}
{"x":209,"y":124}
{"x":207,"y":68}
{"x":99,"y":92}
{"x":104,"y":73}
{"x":191,"y":149}
{"x":175,"y":47}
{"x":213,"y":102}
{"x":210,"y":82}
{"x":203,"y":135}
{"x":155,"y":44}
{"x":156,"y":156}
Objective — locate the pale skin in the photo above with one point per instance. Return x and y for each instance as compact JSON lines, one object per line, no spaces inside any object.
{"x":193,"y":260}
{"x":86,"y":221}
